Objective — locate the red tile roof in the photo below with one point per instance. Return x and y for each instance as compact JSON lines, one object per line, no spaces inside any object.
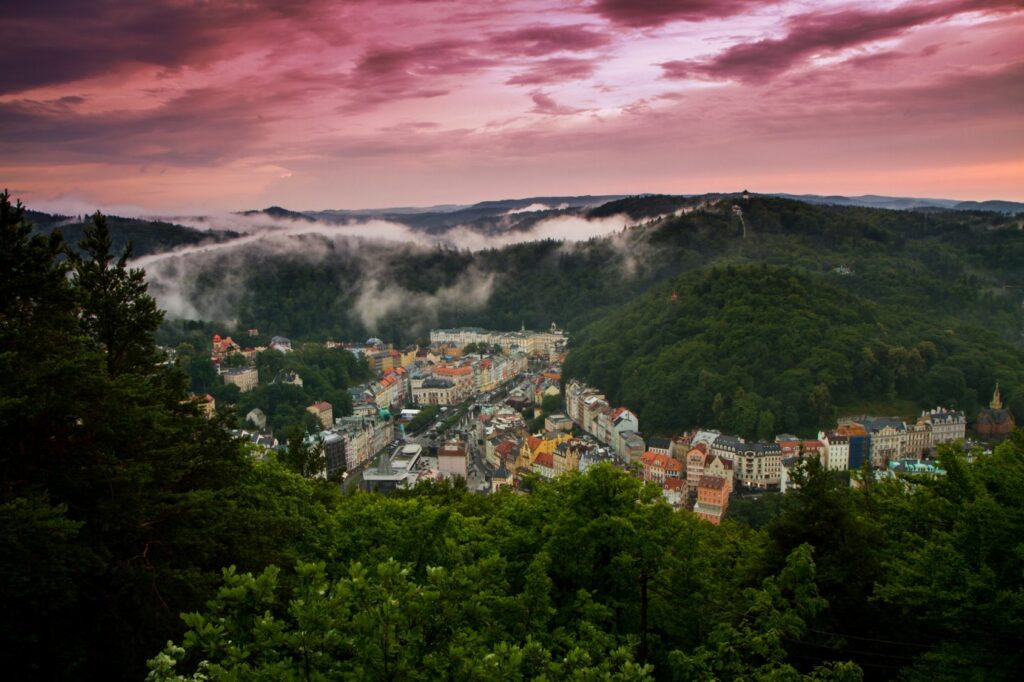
{"x":505,"y":448}
{"x":322,"y":405}
{"x":660,"y":460}
{"x":545,"y":459}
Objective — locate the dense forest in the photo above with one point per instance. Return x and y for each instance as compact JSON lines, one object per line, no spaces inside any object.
{"x":758,"y":350}
{"x":138,"y":535}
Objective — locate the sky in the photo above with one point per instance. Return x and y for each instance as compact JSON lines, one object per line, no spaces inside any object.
{"x":175,"y":106}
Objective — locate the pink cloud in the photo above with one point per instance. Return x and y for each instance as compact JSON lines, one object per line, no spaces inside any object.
{"x":555,"y":70}
{"x":541,"y":40}
{"x":809,"y":34}
{"x":545,"y":104}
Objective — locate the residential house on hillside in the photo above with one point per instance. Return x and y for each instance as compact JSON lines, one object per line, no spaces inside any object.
{"x":695,"y":459}
{"x":324,"y":412}
{"x":726,"y":447}
{"x":657,"y":466}
{"x":758,"y":465}
{"x":566,"y":456}
{"x":887,"y":439}
{"x":674,"y":492}
{"x":859,"y":444}
{"x":947,"y":425}
{"x":918,"y":439}
{"x":633,"y":447}
{"x":659,"y":445}
{"x":544,"y":465}
{"x":712,"y":498}
{"x":838,"y":449}
{"x":501,"y":479}
{"x":558,"y":422}
{"x":246,"y":378}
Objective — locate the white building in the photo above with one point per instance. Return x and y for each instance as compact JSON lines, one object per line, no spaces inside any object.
{"x":947,"y":425}
{"x":838,"y":450}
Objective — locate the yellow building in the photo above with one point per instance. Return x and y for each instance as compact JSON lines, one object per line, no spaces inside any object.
{"x":536,"y":445}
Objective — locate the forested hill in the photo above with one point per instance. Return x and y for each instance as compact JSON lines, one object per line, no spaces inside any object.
{"x":966,"y":264}
{"x":146,"y":236}
{"x":756,"y":349}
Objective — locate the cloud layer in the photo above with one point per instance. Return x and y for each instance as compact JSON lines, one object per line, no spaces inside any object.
{"x":178,"y":105}
{"x":366,"y":246}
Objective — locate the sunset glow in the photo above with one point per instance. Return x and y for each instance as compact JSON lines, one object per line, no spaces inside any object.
{"x":193,"y":106}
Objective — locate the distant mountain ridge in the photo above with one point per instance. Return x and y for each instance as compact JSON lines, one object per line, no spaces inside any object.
{"x":154,"y":235}
{"x":487,"y":217}
{"x":907,"y":203}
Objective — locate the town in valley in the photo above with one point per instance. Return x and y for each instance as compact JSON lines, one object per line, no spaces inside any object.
{"x":492,"y":410}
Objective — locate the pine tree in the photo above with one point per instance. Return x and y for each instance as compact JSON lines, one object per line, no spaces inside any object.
{"x":115,"y":310}
{"x":115,"y":513}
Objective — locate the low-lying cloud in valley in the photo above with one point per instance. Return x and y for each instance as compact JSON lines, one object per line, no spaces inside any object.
{"x":209,"y":281}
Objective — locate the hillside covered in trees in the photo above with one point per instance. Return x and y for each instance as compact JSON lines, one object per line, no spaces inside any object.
{"x":967,"y":264}
{"x":146,"y":236}
{"x":124,"y":508}
{"x":757,"y":350}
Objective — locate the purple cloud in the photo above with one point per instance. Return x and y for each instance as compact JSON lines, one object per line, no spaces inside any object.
{"x":809,"y":34}
{"x":647,"y":13}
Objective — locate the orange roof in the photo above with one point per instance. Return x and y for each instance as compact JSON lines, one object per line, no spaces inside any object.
{"x":545,"y":459}
{"x":554,"y":376}
{"x":453,"y":371}
{"x":673,"y":484}
{"x":534,"y":442}
{"x":505,"y":447}
{"x":322,"y":405}
{"x":661,"y":460}
{"x":852,"y":430}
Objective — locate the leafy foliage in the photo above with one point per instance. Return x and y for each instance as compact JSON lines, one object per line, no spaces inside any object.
{"x":756,"y":350}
